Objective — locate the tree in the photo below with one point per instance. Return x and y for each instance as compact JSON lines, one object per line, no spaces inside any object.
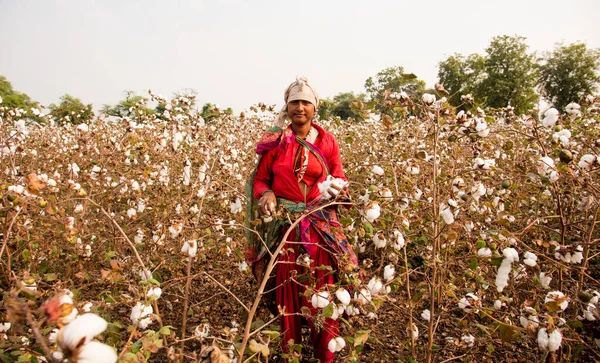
{"x":397,"y":80}
{"x":325,"y":108}
{"x":210,"y":112}
{"x":569,"y":73}
{"x":344,"y":105}
{"x":15,"y":99}
{"x":461,"y":75}
{"x":122,"y":109}
{"x":71,"y":110}
{"x":510,"y":74}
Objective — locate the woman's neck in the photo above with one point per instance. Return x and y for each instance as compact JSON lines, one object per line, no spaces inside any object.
{"x":301,"y":130}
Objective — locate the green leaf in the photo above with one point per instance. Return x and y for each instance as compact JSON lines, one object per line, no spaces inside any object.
{"x":497,"y":261}
{"x":271,"y":333}
{"x":346,"y":221}
{"x":257,"y":324}
{"x":368,"y":227}
{"x":328,"y":311}
{"x":136,"y":346}
{"x":50,"y":277}
{"x":165,"y":330}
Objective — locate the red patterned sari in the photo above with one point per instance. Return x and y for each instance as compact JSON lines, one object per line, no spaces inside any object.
{"x":318,"y":239}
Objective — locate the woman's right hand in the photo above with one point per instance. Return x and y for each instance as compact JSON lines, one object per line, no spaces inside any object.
{"x":267,"y":203}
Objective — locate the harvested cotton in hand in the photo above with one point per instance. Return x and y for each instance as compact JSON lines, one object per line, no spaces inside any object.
{"x":331,"y":186}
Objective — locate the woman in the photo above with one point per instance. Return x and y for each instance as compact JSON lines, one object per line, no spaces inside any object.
{"x":293,"y":161}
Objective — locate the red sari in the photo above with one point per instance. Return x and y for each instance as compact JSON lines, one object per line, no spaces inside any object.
{"x":275,"y":172}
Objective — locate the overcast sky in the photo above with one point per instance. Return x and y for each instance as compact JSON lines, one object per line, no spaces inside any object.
{"x":236,"y":53}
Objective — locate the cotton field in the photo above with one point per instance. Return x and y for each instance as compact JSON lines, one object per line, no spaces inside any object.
{"x":477,"y":234}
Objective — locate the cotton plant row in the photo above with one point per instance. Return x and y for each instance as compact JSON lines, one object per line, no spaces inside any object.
{"x":162,"y":179}
{"x":479,"y":199}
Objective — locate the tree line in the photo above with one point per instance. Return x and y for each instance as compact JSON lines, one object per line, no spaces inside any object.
{"x":506,"y":75}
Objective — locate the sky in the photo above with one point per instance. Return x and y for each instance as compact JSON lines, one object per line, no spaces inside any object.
{"x":237,"y":53}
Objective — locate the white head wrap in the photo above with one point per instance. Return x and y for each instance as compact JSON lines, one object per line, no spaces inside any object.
{"x":298,"y":90}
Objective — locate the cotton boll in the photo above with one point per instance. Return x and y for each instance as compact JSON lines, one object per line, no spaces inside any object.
{"x":375,"y":285}
{"x":530,"y":321}
{"x":377,"y":170}
{"x":336,"y":344}
{"x":154,"y":293}
{"x":320,"y":299}
{"x":503,"y":274}
{"x":140,"y":315}
{"x":550,"y":117}
{"x":145,"y":275}
{"x":511,"y":254}
{"x":202,"y":331}
{"x":190,"y":248}
{"x":351,"y":310}
{"x":554,"y":340}
{"x":426,"y":315}
{"x":80,"y":331}
{"x":398,"y":241}
{"x":484,"y":252}
{"x":573,"y":109}
{"x":590,"y":312}
{"x":446,"y":214}
{"x":530,"y":259}
{"x":545,"y":280}
{"x":586,"y":162}
{"x":470,"y":300}
{"x":343,"y":296}
{"x":498,"y":305}
{"x":236,"y":206}
{"x":428,"y":98}
{"x":468,"y":339}
{"x":542,"y":339}
{"x":413,"y":332}
{"x":372,"y":212}
{"x":389,"y":272}
{"x":364,"y":296}
{"x":557,"y":298}
{"x":379,"y":240}
{"x":96,"y":352}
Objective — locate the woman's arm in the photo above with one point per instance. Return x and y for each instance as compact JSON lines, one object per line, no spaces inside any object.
{"x":262,"y":184}
{"x":264,"y":175}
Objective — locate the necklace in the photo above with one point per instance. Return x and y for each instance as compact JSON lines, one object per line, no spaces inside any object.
{"x":312,"y":135}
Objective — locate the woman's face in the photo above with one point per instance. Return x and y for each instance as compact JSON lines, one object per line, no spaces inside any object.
{"x":300,"y":112}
